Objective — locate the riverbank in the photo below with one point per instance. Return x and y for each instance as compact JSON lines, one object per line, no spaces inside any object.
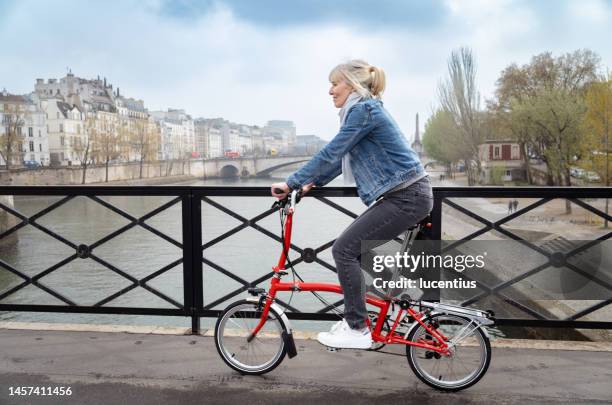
{"x":97,"y":175}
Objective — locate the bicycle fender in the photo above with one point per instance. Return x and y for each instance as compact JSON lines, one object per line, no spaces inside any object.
{"x":416,"y":324}
{"x":279,"y":311}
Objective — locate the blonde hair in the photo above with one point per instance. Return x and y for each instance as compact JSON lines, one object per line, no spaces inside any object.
{"x":365,"y":79}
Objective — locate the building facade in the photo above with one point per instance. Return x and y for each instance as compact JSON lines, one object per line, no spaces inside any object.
{"x":280,"y":135}
{"x":24,"y":115}
{"x":177,"y":134}
{"x":501,"y":160}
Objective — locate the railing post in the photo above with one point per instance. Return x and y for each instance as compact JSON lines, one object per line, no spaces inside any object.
{"x":192,"y":258}
{"x":436,"y":236}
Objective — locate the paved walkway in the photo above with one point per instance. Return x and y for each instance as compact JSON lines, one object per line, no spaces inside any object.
{"x":128,"y":368}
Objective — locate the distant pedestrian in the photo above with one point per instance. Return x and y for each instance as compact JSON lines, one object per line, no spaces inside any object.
{"x":509,"y":206}
{"x":515,"y":205}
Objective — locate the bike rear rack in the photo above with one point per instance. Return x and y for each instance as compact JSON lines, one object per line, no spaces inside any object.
{"x":480,"y":316}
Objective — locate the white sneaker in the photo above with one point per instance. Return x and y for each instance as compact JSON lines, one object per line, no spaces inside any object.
{"x":341,"y":336}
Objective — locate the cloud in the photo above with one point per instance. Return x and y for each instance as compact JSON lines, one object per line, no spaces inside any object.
{"x":369,"y":15}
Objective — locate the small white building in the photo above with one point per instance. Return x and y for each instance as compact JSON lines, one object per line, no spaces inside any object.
{"x":280,"y":133}
{"x":177,"y":134}
{"x":501,"y":156}
{"x":245,"y":140}
{"x":67,"y":132}
{"x":209,"y":137}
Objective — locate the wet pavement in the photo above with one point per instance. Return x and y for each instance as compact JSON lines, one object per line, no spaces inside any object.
{"x":128,"y":368}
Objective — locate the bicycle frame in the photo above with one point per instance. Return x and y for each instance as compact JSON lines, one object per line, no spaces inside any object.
{"x":437,"y":344}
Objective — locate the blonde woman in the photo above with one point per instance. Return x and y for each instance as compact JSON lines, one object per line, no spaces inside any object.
{"x":371,"y":151}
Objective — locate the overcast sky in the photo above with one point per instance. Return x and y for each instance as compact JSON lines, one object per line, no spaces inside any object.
{"x":252,"y":61}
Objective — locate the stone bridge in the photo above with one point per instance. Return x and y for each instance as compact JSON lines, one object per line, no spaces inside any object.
{"x":247,"y":166}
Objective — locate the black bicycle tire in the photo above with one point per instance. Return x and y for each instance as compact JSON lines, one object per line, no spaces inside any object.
{"x":231,"y":365}
{"x":443,"y":388}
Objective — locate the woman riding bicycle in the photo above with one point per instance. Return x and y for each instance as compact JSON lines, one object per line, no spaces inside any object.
{"x":370,"y":150}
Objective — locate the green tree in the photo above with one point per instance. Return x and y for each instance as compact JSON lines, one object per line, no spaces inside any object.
{"x":556,"y":115}
{"x":541,"y":104}
{"x":598,"y":116}
{"x":440,"y":139}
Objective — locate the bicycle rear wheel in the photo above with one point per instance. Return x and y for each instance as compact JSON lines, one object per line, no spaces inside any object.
{"x":263,"y":353}
{"x":469,"y":359}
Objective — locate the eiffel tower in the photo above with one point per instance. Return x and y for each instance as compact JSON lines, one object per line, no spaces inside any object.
{"x":417,"y":146}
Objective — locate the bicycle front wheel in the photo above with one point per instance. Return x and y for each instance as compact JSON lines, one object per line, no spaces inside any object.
{"x":470,"y":353}
{"x":264,"y":352}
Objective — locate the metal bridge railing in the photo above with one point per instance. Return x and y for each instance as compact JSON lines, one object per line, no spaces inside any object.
{"x":192,"y":200}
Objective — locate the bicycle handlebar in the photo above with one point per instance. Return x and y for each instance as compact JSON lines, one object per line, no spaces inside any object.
{"x":290,"y":200}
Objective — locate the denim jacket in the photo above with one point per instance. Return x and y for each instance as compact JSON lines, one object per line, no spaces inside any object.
{"x":380,"y":155}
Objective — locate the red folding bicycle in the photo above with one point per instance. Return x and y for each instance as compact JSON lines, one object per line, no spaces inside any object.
{"x":447,"y":346}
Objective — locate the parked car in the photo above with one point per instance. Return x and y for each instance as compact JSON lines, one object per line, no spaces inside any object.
{"x":576,"y":172}
{"x":30,"y":164}
{"x":592,"y":176}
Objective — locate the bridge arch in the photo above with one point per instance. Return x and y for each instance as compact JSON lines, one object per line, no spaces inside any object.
{"x":266,"y":172}
{"x":430,"y":164}
{"x":229,"y":171}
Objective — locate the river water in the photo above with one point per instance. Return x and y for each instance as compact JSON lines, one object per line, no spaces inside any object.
{"x":248,"y":254}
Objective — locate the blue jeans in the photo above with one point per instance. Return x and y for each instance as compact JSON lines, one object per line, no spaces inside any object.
{"x":383,"y":221}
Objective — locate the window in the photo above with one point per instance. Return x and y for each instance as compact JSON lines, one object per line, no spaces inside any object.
{"x":515,"y":152}
{"x":495,"y":154}
{"x":57,"y":114}
{"x":19,"y":131}
{"x":31,"y":146}
{"x":39,"y":134}
{"x":30,"y":132}
{"x":61,"y":128}
{"x":62,"y":140}
{"x":40,"y":147}
{"x":79,"y":129}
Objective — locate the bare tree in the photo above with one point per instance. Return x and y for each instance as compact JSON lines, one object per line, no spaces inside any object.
{"x":144,"y":141}
{"x":106,"y":140}
{"x":459,"y":96}
{"x":83,"y":145}
{"x":11,"y":141}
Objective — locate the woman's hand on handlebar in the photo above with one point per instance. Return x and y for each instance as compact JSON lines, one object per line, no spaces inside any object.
{"x":280,"y":190}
